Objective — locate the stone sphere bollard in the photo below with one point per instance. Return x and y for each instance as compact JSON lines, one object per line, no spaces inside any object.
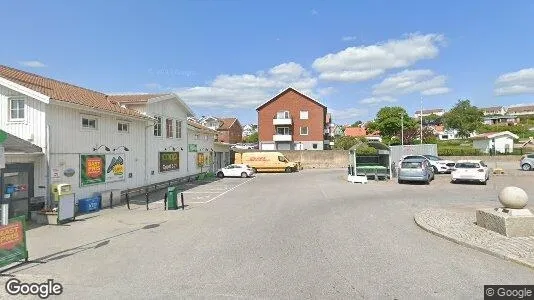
{"x":513,"y":197}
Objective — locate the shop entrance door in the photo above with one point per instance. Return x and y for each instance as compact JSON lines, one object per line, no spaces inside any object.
{"x":16,"y":181}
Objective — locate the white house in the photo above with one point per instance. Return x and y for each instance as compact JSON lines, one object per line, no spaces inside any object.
{"x":494,"y":110}
{"x":427,"y":112}
{"x":92,"y":141}
{"x":500,"y":142}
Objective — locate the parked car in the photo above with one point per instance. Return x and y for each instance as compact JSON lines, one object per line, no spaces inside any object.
{"x":527,"y":162}
{"x":438,"y":164}
{"x":470,"y":171}
{"x":415,"y":169}
{"x":235,"y":170}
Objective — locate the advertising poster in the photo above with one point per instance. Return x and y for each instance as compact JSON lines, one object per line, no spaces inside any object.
{"x":92,"y":169}
{"x":13,"y":241}
{"x":192,"y":147}
{"x":200,"y":159}
{"x":115,"y":167}
{"x":169,"y":161}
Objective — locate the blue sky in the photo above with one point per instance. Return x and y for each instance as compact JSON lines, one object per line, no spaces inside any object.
{"x":225,"y":57}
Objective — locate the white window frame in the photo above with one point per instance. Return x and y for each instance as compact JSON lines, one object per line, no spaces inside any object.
{"x":285,"y":114}
{"x":119,"y":123}
{"x":304,"y":115}
{"x":89,"y":118}
{"x":284,"y":129}
{"x":307,"y":130}
{"x":160,"y":125}
{"x":178,"y":133}
{"x":10,"y":104}
{"x":169,"y":133}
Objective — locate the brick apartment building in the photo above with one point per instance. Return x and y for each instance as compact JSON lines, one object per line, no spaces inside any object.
{"x":292,"y":121}
{"x":229,"y":129}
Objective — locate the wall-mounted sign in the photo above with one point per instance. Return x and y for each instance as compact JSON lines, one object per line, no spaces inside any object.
{"x":200,"y":159}
{"x":169,"y":161}
{"x":114,"y":167}
{"x":69,"y":172}
{"x":55,"y":173}
{"x":92,"y":169}
{"x":192,"y":147}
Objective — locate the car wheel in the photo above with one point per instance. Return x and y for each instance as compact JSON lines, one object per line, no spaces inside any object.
{"x":400,"y":181}
{"x":254,"y":170}
{"x":485,"y":182}
{"x":427,"y":182}
{"x":220,"y":174}
{"x":435,"y":169}
{"x":526,"y":167}
{"x":244,"y":175}
{"x":288,"y":170}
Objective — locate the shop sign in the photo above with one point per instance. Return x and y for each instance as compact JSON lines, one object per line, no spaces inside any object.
{"x":92,"y":169}
{"x":114,"y":167}
{"x":200,"y":159}
{"x":169,"y":161}
{"x":13,"y":241}
{"x":192,"y":147}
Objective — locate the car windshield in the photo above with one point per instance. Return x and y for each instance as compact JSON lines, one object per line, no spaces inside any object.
{"x":411,"y":165}
{"x":467,"y":165}
{"x":432,"y":157}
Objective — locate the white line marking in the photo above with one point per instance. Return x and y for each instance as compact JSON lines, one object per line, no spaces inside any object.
{"x":229,"y":190}
{"x":200,"y":192}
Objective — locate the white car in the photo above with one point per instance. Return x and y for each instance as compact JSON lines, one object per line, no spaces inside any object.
{"x":438,"y":164}
{"x":470,"y":170}
{"x":235,"y":170}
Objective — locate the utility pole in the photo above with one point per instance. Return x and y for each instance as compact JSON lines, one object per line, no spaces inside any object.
{"x":402,"y":129}
{"x":421,"y":130}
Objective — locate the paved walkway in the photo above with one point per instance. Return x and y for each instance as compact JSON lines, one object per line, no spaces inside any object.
{"x":459,"y":226}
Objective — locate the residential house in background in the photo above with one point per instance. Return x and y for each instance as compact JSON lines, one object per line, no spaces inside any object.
{"x":501,"y":119}
{"x":521,"y":110}
{"x":494,"y":110}
{"x":292,"y":121}
{"x":500,"y":142}
{"x":444,"y":134}
{"x":362,"y":132}
{"x":438,"y":112}
{"x":229,"y":129}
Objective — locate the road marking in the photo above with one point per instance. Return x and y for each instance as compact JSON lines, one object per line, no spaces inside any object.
{"x":200,"y":192}
{"x":229,"y":190}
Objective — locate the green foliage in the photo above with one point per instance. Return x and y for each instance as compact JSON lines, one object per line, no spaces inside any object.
{"x":356,"y":124}
{"x":522,"y":130}
{"x":388,"y":121}
{"x":253,"y":138}
{"x":345,"y":142}
{"x":458,"y":151}
{"x":456,"y":143}
{"x":366,"y":150}
{"x":464,"y":117}
{"x":432,"y":119}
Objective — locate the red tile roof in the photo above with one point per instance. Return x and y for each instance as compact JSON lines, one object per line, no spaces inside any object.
{"x":65,"y":92}
{"x":355,"y":131}
{"x":227,"y":123}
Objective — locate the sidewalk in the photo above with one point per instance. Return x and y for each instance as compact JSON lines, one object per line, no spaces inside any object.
{"x":459,"y":226}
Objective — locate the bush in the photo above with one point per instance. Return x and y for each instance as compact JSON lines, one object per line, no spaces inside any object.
{"x":458,"y":151}
{"x":366,"y":150}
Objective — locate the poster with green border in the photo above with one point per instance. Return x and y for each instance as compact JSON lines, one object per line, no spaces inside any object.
{"x":192,"y":147}
{"x":13,"y":241}
{"x":92,"y":169}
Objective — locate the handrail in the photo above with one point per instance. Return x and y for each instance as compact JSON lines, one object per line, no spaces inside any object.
{"x":150,"y":188}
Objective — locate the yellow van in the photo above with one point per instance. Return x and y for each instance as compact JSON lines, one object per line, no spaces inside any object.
{"x":266,"y":161}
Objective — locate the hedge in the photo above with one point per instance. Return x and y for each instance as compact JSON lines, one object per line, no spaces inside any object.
{"x":457,"y":151}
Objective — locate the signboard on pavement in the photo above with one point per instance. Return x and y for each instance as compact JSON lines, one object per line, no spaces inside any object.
{"x":13,"y":241}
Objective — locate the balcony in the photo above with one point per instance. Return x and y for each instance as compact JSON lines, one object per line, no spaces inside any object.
{"x":282,"y":118}
{"x":282,"y":138}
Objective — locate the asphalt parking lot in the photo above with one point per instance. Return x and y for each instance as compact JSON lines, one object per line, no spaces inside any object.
{"x":309,"y":234}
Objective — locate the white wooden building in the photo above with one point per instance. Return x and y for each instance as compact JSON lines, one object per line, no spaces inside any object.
{"x":502,"y":142}
{"x":93,"y":141}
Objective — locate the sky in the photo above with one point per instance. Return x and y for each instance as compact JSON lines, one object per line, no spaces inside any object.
{"x":227,"y":57}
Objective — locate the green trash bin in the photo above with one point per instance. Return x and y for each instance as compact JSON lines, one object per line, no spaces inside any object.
{"x":171,"y":198}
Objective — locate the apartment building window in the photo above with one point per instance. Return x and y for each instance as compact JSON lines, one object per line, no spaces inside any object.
{"x":90,"y":123}
{"x":282,"y":115}
{"x":169,"y":128}
{"x":283,"y":131}
{"x":304,"y":115}
{"x":16,"y":107}
{"x":123,"y":127}
{"x":178,"y":129}
{"x":157,"y":127}
{"x":304,"y":130}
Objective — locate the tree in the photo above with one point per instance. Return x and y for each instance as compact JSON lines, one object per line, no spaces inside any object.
{"x":388,"y":121}
{"x":413,"y":135}
{"x":464,"y":117}
{"x":432,"y":119}
{"x":253,"y":138}
{"x":357,"y":124}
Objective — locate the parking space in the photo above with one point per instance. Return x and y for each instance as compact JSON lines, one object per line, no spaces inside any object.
{"x":201,"y":194}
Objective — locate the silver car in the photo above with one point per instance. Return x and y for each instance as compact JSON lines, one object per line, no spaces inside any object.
{"x":527,"y":162}
{"x":415,"y":170}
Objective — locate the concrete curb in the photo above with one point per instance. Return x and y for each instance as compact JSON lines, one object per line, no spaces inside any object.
{"x":448,"y":236}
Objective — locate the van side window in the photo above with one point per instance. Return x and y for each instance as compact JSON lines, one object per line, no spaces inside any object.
{"x":281,"y":158}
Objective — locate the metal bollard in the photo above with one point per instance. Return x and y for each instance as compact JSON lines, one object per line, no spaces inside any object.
{"x":182,"y":200}
{"x":111,"y":200}
{"x":128,"y":200}
{"x":165,"y":201}
{"x":146,"y":197}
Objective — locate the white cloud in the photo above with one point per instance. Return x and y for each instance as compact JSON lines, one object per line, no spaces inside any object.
{"x":367,"y":62}
{"x":249,"y":90}
{"x":349,"y":38}
{"x":412,"y":81}
{"x":349,"y":113}
{"x":377,"y":100}
{"x":326,"y":91}
{"x":515,"y":83}
{"x":32,"y":64}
